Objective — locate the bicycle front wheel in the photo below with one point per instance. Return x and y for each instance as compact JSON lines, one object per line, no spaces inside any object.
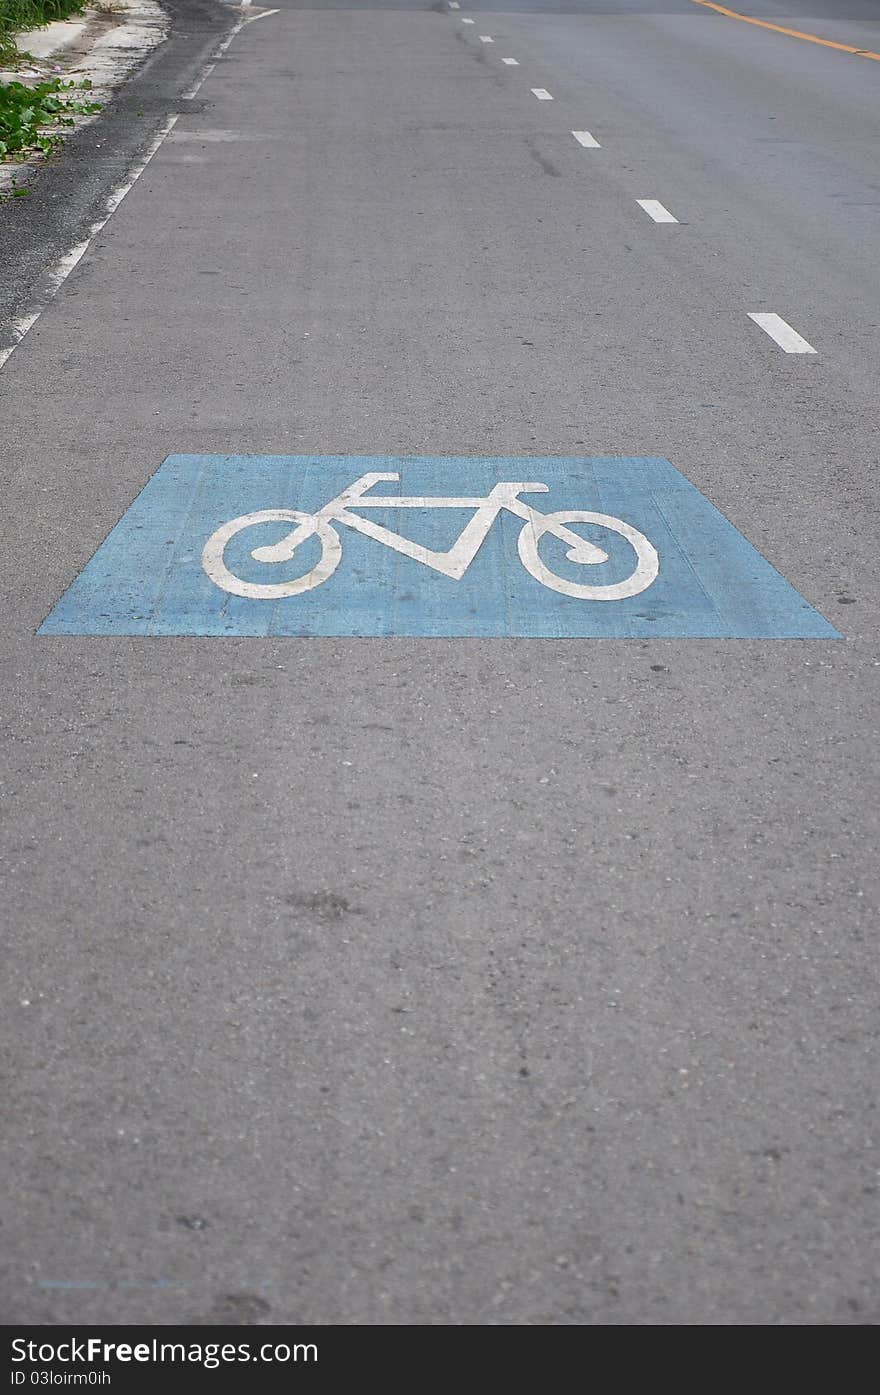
{"x":647,"y":561}
{"x":215,"y":566}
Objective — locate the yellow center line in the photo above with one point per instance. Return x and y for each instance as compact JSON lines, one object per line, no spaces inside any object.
{"x":792,"y":33}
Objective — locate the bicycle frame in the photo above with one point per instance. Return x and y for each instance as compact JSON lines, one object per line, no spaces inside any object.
{"x":453,"y":563}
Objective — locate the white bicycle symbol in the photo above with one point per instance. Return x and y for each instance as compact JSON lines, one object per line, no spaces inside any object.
{"x":453,"y":563}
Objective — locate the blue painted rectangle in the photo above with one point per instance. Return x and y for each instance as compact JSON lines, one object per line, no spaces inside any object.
{"x":147,"y":577}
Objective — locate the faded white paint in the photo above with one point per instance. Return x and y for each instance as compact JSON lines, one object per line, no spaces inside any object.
{"x":217,"y":54}
{"x":19,"y":329}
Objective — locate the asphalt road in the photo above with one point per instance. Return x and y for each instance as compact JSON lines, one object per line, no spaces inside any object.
{"x":424,"y":980}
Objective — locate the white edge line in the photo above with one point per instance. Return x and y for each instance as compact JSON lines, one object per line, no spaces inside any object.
{"x":224,"y":44}
{"x":59,"y":273}
{"x":264,"y":14}
{"x":191,"y":91}
{"x":19,"y":329}
{"x":587,"y":139}
{"x":219,"y":52}
{"x":781,"y":331}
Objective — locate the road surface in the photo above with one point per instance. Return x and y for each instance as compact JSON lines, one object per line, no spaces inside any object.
{"x":503,"y":979}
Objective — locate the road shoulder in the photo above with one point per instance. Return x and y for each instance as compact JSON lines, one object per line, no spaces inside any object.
{"x":68,"y":193}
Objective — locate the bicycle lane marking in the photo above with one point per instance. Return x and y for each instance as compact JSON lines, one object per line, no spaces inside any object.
{"x":305,"y":545}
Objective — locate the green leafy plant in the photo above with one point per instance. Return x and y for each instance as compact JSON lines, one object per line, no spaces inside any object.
{"x":30,"y":117}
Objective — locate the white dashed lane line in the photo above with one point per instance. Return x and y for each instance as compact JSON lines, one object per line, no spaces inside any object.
{"x":782,"y":332}
{"x":655,"y":210}
{"x":772,"y":324}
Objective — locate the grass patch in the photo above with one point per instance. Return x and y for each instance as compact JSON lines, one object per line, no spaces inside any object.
{"x":29,"y":14}
{"x":31,"y":117}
